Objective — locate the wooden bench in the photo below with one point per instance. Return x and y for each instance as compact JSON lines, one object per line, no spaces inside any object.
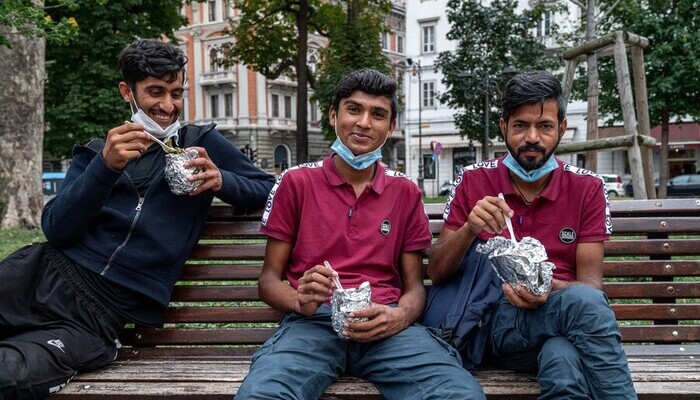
{"x":216,"y":321}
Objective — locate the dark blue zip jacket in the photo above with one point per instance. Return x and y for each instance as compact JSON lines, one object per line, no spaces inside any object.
{"x":99,"y":221}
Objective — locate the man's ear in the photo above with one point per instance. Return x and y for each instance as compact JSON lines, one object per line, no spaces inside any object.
{"x":392,"y":128}
{"x":504,"y":128}
{"x":562,"y":128}
{"x":124,"y":91}
{"x":332,"y":117}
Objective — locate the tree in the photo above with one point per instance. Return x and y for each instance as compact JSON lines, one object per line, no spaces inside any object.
{"x":491,"y":39}
{"x":82,"y":100}
{"x":23,"y":30}
{"x":271,"y":37}
{"x":353,"y":44}
{"x":671,"y":64}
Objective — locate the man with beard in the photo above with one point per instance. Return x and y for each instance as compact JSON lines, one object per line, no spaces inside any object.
{"x":569,"y":336}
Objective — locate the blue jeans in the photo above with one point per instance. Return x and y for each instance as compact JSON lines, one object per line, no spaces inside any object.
{"x":305,"y":355}
{"x":572,"y":341}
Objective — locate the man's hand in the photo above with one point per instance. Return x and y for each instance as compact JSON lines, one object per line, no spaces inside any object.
{"x":487,"y":215}
{"x":124,"y":143}
{"x":520,"y":297}
{"x":384,"y":321}
{"x":210,"y":173}
{"x":313,"y":289}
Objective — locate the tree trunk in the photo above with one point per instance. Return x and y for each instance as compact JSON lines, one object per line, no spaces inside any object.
{"x":663,"y":153}
{"x":302,"y":83}
{"x":21,"y":130}
{"x":592,"y":62}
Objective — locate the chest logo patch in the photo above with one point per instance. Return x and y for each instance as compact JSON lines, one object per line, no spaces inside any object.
{"x":385,"y":227}
{"x":567,"y":235}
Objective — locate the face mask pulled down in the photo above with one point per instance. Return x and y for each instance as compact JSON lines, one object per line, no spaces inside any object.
{"x":359,"y":162}
{"x":176,"y":174}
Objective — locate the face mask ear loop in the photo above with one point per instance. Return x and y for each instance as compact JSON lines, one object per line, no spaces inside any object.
{"x":132,"y":104}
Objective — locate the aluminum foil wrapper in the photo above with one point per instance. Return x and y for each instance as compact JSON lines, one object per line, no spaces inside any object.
{"x":525,"y":262}
{"x":346,"y":301}
{"x":176,"y":174}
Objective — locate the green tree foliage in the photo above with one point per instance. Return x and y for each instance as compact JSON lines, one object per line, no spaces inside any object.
{"x":671,"y":60}
{"x":490,"y":38}
{"x":82,"y":101}
{"x":271,"y":37}
{"x":28,"y":18}
{"x":671,"y":64}
{"x":353,"y":44}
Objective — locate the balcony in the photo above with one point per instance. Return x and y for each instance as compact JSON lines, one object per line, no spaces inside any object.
{"x":212,"y":78}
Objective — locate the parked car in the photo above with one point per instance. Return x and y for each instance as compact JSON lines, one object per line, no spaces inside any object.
{"x":613,"y":185}
{"x":50,"y":183}
{"x":684,"y":185}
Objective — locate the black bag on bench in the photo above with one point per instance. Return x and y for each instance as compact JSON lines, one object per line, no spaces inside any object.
{"x":461,"y":308}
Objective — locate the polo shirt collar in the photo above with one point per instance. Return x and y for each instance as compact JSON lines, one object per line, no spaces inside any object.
{"x":335,"y":179}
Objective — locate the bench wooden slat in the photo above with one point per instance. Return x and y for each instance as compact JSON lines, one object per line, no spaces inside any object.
{"x":204,"y":336}
{"x":221,"y":272}
{"x":640,"y":268}
{"x":221,"y":252}
{"x":213,"y":314}
{"x":624,"y":290}
{"x":657,"y":224}
{"x":660,"y":333}
{"x":646,"y":247}
{"x":210,"y":379}
{"x":655,"y":311}
{"x":215,"y":293}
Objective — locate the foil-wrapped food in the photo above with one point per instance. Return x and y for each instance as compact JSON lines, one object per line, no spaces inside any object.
{"x":176,"y":174}
{"x":345,"y":301}
{"x":524,"y":262}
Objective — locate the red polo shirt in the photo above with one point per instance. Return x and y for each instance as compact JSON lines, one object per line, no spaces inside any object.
{"x":572,"y":209}
{"x":316,"y":210}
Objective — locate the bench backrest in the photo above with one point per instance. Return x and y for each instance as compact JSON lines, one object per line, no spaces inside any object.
{"x":652,"y":277}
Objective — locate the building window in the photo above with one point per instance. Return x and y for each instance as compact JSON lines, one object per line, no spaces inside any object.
{"x":211,"y":4}
{"x":428,"y":94}
{"x":385,"y":41}
{"x":213,"y":60}
{"x":275,"y":106}
{"x":544,"y":27}
{"x":400,"y":44}
{"x":313,"y":111}
{"x":288,"y":107}
{"x":228,"y":105}
{"x":428,"y":38}
{"x":214,"y":100}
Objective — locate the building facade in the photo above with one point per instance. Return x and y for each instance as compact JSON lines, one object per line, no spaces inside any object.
{"x":258,"y":114}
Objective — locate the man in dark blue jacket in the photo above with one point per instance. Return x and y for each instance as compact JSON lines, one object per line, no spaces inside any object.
{"x":117,"y":236}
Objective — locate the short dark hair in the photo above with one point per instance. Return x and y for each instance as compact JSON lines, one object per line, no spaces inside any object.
{"x":369,"y":81}
{"x":530,"y":88}
{"x":147,"y":57}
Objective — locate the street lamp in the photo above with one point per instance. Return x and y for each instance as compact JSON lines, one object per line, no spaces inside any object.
{"x":416,"y":71}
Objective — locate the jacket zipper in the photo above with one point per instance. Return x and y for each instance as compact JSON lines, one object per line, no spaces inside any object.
{"x":128,"y":236}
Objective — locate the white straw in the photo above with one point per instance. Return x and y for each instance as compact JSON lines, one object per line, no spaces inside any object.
{"x":336,"y":281}
{"x":508,"y":222}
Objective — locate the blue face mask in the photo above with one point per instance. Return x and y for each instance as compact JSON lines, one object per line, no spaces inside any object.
{"x":363,"y":161}
{"x":530,"y":176}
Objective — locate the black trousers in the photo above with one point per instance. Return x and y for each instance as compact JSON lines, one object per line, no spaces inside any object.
{"x":51,"y":326}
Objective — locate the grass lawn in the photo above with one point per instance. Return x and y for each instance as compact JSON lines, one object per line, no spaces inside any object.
{"x":14,"y":238}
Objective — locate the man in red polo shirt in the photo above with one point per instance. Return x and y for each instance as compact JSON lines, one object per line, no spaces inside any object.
{"x":368,"y":223}
{"x":569,"y":335}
